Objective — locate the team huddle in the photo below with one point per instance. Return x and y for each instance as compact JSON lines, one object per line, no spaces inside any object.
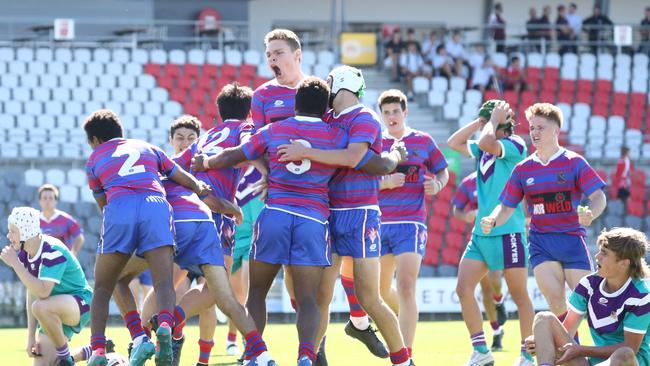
{"x":299,"y":176}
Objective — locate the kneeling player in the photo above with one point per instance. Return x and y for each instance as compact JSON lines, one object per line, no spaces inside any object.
{"x":58,"y":296}
{"x":616,"y":301}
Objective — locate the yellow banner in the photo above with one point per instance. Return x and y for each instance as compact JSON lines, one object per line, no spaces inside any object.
{"x":358,"y":48}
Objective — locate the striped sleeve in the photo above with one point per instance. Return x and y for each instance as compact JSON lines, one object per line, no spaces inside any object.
{"x":436,"y":160}
{"x":166,"y":165}
{"x":93,"y":182}
{"x":513,"y":193}
{"x":53,"y":266}
{"x":255,"y":147}
{"x":637,"y":320}
{"x":579,"y":297}
{"x":257,"y":110}
{"x":513,"y":148}
{"x":461,"y":198}
{"x":588,"y":180}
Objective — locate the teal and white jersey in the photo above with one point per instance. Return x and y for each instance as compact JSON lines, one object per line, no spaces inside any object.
{"x":611,"y":314}
{"x":492,"y":174}
{"x":54,"y":262}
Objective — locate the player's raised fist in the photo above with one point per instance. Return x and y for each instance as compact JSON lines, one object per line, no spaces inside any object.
{"x":198,"y":162}
{"x":9,"y":256}
{"x":487,"y":224}
{"x":432,"y":186}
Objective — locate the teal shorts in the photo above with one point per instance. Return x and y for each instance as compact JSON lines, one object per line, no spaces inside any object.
{"x":499,"y":252}
{"x":244,"y":232}
{"x":83,"y":300}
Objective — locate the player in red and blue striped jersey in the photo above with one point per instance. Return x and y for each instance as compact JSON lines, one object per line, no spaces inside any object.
{"x":403,"y":213}
{"x":292,"y":229}
{"x":553,"y":180}
{"x":124,"y":176}
{"x":355,"y":210}
{"x":465,"y":208}
{"x":57,"y":223}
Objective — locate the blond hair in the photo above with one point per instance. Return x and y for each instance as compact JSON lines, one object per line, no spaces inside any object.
{"x":283,"y":35}
{"x":547,"y":111}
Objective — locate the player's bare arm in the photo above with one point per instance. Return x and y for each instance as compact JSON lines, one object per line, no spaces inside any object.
{"x":458,"y":141}
{"x":498,"y":217}
{"x":348,"y":157}
{"x":488,"y":141}
{"x":225,"y":207}
{"x":225,"y":159}
{"x":39,"y":288}
{"x":468,"y":216}
{"x":78,"y":244}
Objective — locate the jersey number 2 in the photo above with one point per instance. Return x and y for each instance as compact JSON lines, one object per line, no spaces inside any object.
{"x":305,"y":164}
{"x":128,"y":166}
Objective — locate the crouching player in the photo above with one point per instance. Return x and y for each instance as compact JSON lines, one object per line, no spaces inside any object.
{"x":58,"y":295}
{"x":616,"y":301}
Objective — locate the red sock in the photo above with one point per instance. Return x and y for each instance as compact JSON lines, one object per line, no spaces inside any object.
{"x":497,"y":298}
{"x":134,"y":324}
{"x":410,"y":350}
{"x":179,"y":319}
{"x":306,"y":349}
{"x":400,"y":356}
{"x":232,"y":337}
{"x":355,"y":308}
{"x":205,"y":347}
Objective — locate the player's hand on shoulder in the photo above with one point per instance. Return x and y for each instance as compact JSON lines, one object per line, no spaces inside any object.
{"x":198,"y":162}
{"x":487,"y":224}
{"x":585,"y":215}
{"x":395,"y":180}
{"x":9,"y":255}
{"x":295,"y":151}
{"x":400,"y":147}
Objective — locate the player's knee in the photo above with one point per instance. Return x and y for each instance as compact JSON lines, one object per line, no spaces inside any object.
{"x":543,"y":318}
{"x":464,"y":290}
{"x":622,"y":357}
{"x":406,"y":287}
{"x":40,"y":309}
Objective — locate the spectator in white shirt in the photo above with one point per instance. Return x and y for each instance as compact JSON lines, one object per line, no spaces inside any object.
{"x":442,"y":63}
{"x":454,"y":46}
{"x":575,"y":22}
{"x":412,"y":64}
{"x":429,"y":46}
{"x":483,"y":74}
{"x":476,"y":58}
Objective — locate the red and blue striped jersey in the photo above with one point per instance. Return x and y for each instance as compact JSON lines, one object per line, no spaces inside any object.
{"x":406,"y":203}
{"x":61,"y":226}
{"x":553,"y":191}
{"x":299,"y":188}
{"x":121,"y":167}
{"x":272,"y":102}
{"x":466,"y":195}
{"x":186,"y":205}
{"x":352,"y":188}
{"x":230,"y":133}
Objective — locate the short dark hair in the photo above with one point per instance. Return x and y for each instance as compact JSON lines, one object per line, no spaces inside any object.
{"x":312,"y":96}
{"x":185,"y":121}
{"x":392,"y":96}
{"x":573,"y":5}
{"x":234,"y":101}
{"x":48,"y":187}
{"x":104,"y":124}
{"x":513,"y":59}
{"x":560,"y":7}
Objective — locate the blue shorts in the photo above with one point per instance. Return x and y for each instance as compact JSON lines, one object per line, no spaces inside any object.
{"x":136,"y":223}
{"x":280,"y":237}
{"x":145,"y":278}
{"x":355,"y":233}
{"x":570,"y":250}
{"x":226,"y":228}
{"x":197,"y":244}
{"x":401,"y":238}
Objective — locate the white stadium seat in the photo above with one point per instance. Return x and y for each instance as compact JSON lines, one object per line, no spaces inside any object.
{"x":196,"y":56}
{"x":139,"y":56}
{"x":55,"y":176}
{"x":178,"y":57}
{"x":102,"y":55}
{"x":120,"y":55}
{"x":34,"y":177}
{"x":76,"y":177}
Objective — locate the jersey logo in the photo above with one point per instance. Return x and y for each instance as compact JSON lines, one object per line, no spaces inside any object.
{"x":561,"y":178}
{"x":602,"y":301}
{"x":371,"y":234}
{"x":411,"y":172}
{"x":486,"y":166}
{"x":530,"y":181}
{"x":278,"y":103}
{"x":551,"y":203}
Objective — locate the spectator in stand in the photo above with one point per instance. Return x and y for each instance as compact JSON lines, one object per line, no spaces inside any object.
{"x":429,"y":46}
{"x":442,"y":63}
{"x":411,"y":64}
{"x":461,"y":69}
{"x":455,"y":47}
{"x":513,"y":76}
{"x":544,"y":25}
{"x":476,"y":58}
{"x":597,"y":28}
{"x":564,"y":33}
{"x":482,"y":76}
{"x":623,"y":176}
{"x":532,"y":29}
{"x":410,"y":38}
{"x":394,"y":49}
{"x":645,"y":32}
{"x":498,"y":26}
{"x":575,"y":21}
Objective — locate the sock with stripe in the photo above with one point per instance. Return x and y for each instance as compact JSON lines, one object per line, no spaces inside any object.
{"x":254,"y":345}
{"x":232,"y":337}
{"x":494,"y":325}
{"x":400,"y":357}
{"x":524,"y":353}
{"x":134,"y":324}
{"x":205,"y":347}
{"x":86,"y":352}
{"x":306,"y":349}
{"x":179,"y":319}
{"x":478,"y":342}
{"x":62,"y":353}
{"x":358,"y":316}
{"x":98,"y":344}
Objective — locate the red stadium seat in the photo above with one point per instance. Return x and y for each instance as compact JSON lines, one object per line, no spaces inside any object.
{"x":258,"y":80}
{"x":604,"y":86}
{"x":244,"y":80}
{"x":584,"y":97}
{"x":204,"y":82}
{"x":638,"y":101}
{"x":186,"y":82}
{"x":172,"y":70}
{"x":166,"y":82}
{"x":602,"y":174}
{"x":567,"y":86}
{"x":451,"y":256}
{"x":198,"y":96}
{"x":618,"y":109}
{"x":249,"y":71}
{"x":455,"y":240}
{"x":601,"y":97}
{"x":620,"y":98}
{"x":434,"y":242}
{"x":599,"y":110}
{"x":441,"y":208}
{"x":152,"y":69}
{"x":229,"y":70}
{"x":637,"y":193}
{"x":457,"y":225}
{"x":565,"y":97}
{"x":437,"y":224}
{"x":192,"y":109}
{"x":527,"y":99}
{"x":634,"y":121}
{"x":635,"y":208}
{"x":191,"y":70}
{"x":446,"y":194}
{"x":638,"y":177}
{"x":490,"y":94}
{"x":547,"y":96}
{"x":178,"y":95}
{"x":511,"y":97}
{"x":551,"y":73}
{"x":210,"y":70}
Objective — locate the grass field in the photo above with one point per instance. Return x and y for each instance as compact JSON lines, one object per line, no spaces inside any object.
{"x":437,"y":343}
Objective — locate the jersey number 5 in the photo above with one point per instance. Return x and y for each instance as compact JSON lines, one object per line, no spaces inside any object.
{"x":305,"y":164}
{"x":128,"y":166}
